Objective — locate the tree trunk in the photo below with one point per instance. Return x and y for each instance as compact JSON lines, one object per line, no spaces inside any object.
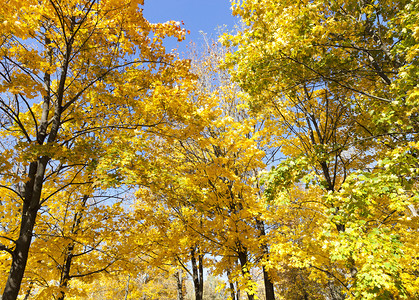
{"x":20,"y":255}
{"x":231,"y":284}
{"x":28,"y":292}
{"x":197,"y":272}
{"x":179,"y":279}
{"x":127,"y":288}
{"x":269,"y":286}
{"x":65,"y":272}
{"x":201,"y":274}
{"x":30,"y":209}
{"x":65,"y":275}
{"x":245,"y":270}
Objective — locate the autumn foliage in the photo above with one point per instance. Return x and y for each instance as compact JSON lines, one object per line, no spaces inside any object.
{"x":282,"y":160}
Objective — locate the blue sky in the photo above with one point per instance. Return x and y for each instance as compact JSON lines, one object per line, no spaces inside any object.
{"x":198,"y":15}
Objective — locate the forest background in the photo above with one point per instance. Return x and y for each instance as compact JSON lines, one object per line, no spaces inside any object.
{"x":277,"y":161}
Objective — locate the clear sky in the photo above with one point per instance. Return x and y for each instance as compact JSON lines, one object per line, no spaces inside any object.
{"x":198,"y":15}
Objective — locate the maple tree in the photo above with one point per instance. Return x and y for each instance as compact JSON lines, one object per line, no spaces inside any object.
{"x":329,"y":74}
{"x":75,"y":243}
{"x":75,"y":74}
{"x":119,"y":285}
{"x":206,"y":177}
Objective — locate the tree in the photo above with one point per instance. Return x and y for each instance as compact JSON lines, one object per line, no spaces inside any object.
{"x":206,"y":176}
{"x":75,"y":75}
{"x":117,"y":285}
{"x":336,"y":77}
{"x":75,"y":243}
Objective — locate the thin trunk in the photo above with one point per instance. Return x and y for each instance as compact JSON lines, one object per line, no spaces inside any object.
{"x":28,"y":292}
{"x":179,"y":279}
{"x":245,"y":270}
{"x":65,"y":272}
{"x":269,"y":286}
{"x":231,"y":284}
{"x":201,"y":274}
{"x":127,"y":288}
{"x":197,"y":272}
{"x":65,"y":275}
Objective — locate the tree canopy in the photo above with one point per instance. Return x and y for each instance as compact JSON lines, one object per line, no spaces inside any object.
{"x":280,"y":162}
